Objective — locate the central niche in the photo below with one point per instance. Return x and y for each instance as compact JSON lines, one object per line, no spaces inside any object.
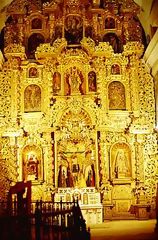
{"x":76,"y":164}
{"x":76,"y":152}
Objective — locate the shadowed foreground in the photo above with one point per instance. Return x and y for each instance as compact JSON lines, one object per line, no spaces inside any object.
{"x":127,"y":229}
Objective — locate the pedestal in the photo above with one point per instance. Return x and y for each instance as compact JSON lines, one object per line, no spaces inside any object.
{"x":93,"y":214}
{"x":107,"y":211}
{"x":141,"y":211}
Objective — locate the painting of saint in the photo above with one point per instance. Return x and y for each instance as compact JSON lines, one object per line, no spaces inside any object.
{"x":32,"y":98}
{"x":73,"y":29}
{"x":116,"y":94}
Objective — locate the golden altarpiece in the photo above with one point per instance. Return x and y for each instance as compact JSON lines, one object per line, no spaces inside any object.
{"x":77,"y":108}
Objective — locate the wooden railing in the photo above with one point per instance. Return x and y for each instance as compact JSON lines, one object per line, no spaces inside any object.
{"x":47,"y":221}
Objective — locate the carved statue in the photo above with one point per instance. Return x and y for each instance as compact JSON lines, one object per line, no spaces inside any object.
{"x":61,"y":177}
{"x":33,"y":72}
{"x":92,"y":81}
{"x":56,"y":82}
{"x":74,"y":81}
{"x":32,"y":167}
{"x":69,"y":179}
{"x":82,"y":181}
{"x":91,"y":177}
{"x":115,"y":69}
{"x":121,"y":164}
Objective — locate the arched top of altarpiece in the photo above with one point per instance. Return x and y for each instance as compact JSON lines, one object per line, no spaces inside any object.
{"x":74,"y":116}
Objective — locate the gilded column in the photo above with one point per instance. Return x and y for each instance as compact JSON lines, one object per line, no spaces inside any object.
{"x":134,"y":63}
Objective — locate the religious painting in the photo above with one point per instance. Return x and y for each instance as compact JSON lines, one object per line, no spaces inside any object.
{"x":36,"y":23}
{"x":32,"y":163}
{"x":120,"y":161}
{"x":33,"y":72}
{"x":109,"y":23}
{"x":73,"y":29}
{"x":56,"y":83}
{"x":116,"y":96}
{"x":115,"y":69}
{"x":92,"y":81}
{"x":32,"y":98}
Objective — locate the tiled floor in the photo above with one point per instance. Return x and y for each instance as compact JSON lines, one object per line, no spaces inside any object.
{"x":127,"y":229}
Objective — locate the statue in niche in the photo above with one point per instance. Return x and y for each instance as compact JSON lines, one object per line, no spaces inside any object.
{"x":69,"y":179}
{"x":32,"y":98}
{"x":122,"y":168}
{"x":74,"y":81}
{"x":92,"y":81}
{"x":81,"y":180}
{"x":62,"y":177}
{"x":90,"y":182}
{"x":33,"y":73}
{"x":116,"y":94}
{"x":75,"y":168}
{"x":115,"y":69}
{"x":32,"y":167}
{"x":56,"y":82}
{"x":32,"y":163}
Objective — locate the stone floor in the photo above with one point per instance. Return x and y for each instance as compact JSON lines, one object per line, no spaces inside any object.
{"x":127,"y":229}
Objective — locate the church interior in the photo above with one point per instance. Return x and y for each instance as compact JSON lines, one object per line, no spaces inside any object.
{"x":79,"y":103}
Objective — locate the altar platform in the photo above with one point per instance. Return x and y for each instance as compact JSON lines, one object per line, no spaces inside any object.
{"x":89,"y":202}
